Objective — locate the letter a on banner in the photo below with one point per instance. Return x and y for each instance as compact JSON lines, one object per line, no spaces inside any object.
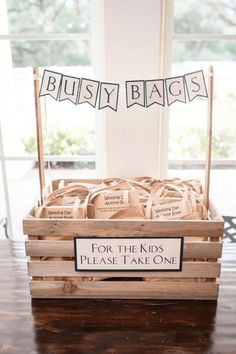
{"x":196,"y":85}
{"x":135,"y":93}
{"x":175,"y":90}
{"x":69,"y":88}
{"x":89,"y":92}
{"x":155,"y":92}
{"x":109,"y":94}
{"x":50,"y":85}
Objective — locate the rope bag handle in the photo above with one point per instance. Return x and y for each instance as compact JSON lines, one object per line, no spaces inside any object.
{"x":158,"y":191}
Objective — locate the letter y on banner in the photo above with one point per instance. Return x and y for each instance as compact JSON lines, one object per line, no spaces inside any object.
{"x":196,"y":85}
{"x":109,"y":95}
{"x":135,"y":93}
{"x":50,"y":84}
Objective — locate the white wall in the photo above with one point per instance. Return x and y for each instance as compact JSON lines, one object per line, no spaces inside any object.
{"x":127,"y":47}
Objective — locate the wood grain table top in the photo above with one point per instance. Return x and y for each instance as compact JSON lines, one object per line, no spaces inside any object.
{"x":112,"y":326}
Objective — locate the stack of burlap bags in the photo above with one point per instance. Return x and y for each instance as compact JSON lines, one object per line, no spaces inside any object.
{"x":119,"y":198}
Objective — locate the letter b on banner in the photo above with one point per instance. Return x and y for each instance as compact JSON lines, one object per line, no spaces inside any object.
{"x":50,"y":84}
{"x":135,"y":93}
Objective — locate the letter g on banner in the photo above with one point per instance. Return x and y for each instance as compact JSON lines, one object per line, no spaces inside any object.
{"x":175,"y":90}
{"x":135,"y":93}
{"x":50,"y":84}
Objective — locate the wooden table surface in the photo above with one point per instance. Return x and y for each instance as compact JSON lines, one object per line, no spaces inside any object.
{"x":112,"y":326}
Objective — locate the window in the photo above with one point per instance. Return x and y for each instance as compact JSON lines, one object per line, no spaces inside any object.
{"x":205,"y":34}
{"x":48,"y":34}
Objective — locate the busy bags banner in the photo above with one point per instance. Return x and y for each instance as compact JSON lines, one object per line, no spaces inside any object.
{"x":144,"y":93}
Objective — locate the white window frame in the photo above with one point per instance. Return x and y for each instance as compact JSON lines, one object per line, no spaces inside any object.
{"x":201,"y":37}
{"x":4,"y":158}
{"x":166,"y":7}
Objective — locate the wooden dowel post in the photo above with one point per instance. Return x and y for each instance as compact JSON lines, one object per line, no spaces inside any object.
{"x":39,"y":133}
{"x":209,"y":136}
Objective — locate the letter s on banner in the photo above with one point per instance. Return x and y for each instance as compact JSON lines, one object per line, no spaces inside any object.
{"x":50,"y":84}
{"x":89,"y":92}
{"x":175,"y":90}
{"x":195,"y":84}
{"x":135,"y":93}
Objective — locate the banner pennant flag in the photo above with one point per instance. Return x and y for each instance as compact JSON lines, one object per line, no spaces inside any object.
{"x":89,"y":92}
{"x":135,"y":93}
{"x":195,"y":84}
{"x":109,"y":95}
{"x":69,"y":88}
{"x":50,"y":84}
{"x":175,"y":90}
{"x":155,"y":92}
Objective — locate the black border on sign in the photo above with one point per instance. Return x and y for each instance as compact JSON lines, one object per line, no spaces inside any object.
{"x":130,"y":270}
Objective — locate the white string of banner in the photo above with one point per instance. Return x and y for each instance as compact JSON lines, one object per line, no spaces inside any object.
{"x":145,"y":93}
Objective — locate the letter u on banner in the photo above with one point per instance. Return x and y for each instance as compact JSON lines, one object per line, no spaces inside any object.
{"x":69,"y":88}
{"x":50,"y":84}
{"x":135,"y":93}
{"x":195,"y":84}
{"x":175,"y":90}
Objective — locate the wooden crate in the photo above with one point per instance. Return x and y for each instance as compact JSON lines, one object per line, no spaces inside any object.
{"x":51,"y":263}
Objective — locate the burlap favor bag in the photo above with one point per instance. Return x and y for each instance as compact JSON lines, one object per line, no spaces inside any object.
{"x":64,"y":203}
{"x":110,"y":202}
{"x":118,"y":199}
{"x":74,"y":210}
{"x":199,"y":210}
{"x":160,"y":206}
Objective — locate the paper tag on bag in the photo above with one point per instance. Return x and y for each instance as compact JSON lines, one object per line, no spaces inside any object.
{"x":108,"y":203}
{"x":62,"y":212}
{"x":175,"y":210}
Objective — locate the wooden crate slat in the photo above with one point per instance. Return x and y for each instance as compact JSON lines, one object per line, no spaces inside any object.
{"x":66,"y":268}
{"x":71,"y":237}
{"x":63,"y":248}
{"x":124,"y":289}
{"x":122,"y":228}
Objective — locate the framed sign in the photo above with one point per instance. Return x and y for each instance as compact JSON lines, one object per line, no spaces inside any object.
{"x":128,"y":253}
